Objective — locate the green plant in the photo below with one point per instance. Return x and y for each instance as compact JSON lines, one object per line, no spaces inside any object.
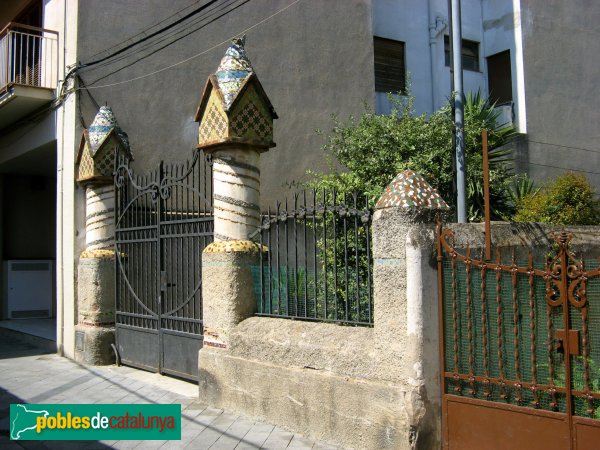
{"x":567,"y":200}
{"x":375,"y":148}
{"x":522,"y":186}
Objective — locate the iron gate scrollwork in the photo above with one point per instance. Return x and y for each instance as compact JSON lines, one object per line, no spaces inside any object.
{"x":163,"y":222}
{"x":520,"y":347}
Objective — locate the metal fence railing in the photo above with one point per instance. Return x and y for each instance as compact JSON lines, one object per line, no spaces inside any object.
{"x":28,"y":56}
{"x":316,"y":259}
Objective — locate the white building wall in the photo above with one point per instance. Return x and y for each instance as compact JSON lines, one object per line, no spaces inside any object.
{"x":502,"y":31}
{"x":61,"y":15}
{"x":489,"y":22}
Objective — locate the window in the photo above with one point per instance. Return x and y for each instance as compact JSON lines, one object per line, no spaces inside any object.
{"x":500,"y":77}
{"x":390,"y":71}
{"x":470,"y":54}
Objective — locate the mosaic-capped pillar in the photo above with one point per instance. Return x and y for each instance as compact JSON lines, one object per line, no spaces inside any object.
{"x":235,"y":126}
{"x":100,"y":143}
{"x":405,"y":294}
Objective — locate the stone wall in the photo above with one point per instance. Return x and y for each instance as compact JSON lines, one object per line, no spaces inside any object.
{"x":359,"y":387}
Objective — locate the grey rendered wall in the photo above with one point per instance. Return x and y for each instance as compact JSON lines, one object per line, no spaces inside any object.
{"x":314,"y":59}
{"x":561,"y":86}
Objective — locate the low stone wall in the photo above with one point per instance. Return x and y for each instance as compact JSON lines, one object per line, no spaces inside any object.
{"x":358,"y":387}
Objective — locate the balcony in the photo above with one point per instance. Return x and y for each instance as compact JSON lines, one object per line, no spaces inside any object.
{"x":28,"y":70}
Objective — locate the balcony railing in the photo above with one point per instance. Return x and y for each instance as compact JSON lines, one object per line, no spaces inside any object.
{"x":28,"y":57}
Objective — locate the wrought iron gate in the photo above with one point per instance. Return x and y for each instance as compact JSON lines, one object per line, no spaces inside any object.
{"x":163,"y":222}
{"x":520,"y":348}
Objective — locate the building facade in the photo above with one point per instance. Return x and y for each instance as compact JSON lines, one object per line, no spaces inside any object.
{"x":149,"y":60}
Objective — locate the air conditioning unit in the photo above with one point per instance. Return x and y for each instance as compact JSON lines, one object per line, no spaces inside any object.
{"x":30,"y":286}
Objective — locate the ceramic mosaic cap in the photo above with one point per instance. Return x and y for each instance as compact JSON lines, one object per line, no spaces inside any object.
{"x":235,"y":246}
{"x":235,"y":67}
{"x":102,"y":124}
{"x":409,"y":189}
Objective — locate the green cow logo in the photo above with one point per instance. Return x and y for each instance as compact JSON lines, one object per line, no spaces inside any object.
{"x":24,"y":420}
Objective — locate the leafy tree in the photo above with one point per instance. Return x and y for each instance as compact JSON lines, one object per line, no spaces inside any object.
{"x":567,"y":200}
{"x":375,"y":148}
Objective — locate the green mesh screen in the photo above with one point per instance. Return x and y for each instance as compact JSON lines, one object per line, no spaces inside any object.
{"x":588,"y":333}
{"x":511,"y":339}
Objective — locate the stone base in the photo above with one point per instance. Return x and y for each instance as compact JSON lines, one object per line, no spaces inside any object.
{"x":96,"y":287}
{"x":354,"y":413}
{"x":92,"y":345}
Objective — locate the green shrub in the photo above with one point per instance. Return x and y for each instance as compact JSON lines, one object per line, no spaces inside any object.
{"x":375,"y":148}
{"x":568,"y":200}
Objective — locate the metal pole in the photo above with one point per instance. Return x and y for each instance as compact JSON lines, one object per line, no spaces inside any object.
{"x":456,"y":44}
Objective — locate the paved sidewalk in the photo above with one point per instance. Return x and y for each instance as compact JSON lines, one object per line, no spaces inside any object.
{"x":28,"y":375}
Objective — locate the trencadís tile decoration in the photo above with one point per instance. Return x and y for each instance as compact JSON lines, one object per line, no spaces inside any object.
{"x":409,"y":189}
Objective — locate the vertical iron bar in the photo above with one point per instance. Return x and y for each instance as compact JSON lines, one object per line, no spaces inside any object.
{"x":564,"y":281}
{"x":335,"y":287}
{"x":347,"y":299}
{"x":27,"y":39}
{"x":278,"y":265}
{"x":314,"y":223}
{"x":357,"y":265}
{"x":532,"y":317}
{"x":261,"y":266}
{"x":324,"y":254}
{"x":586,"y":352}
{"x":287,"y":260}
{"x":305,"y":255}
{"x":470,"y":322}
{"x":369,"y":262}
{"x":295,"y":253}
{"x":160,"y":264}
{"x":500,"y":331}
{"x":514,"y":272}
{"x":457,"y":385}
{"x":486,"y":369}
{"x":270,"y":261}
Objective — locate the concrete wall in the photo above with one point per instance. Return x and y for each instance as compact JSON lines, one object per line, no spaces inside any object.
{"x":561,"y":84}
{"x":314,"y":59}
{"x":355,"y":386}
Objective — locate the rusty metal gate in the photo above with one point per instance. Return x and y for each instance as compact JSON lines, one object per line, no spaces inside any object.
{"x":520,"y":348}
{"x":163,"y":222}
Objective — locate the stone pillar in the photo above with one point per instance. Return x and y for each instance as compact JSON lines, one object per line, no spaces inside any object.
{"x":94,"y":332}
{"x":235,"y":126}
{"x":405,"y":299}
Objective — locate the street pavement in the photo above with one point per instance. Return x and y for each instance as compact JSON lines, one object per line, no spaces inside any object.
{"x":29,"y":374}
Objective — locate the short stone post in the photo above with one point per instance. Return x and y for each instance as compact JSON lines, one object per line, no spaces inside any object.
{"x":405,"y":299}
{"x":235,"y":126}
{"x":94,"y":332}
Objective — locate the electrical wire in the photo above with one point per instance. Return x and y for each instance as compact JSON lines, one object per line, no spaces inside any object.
{"x":151,"y":35}
{"x":163,"y":37}
{"x":141,"y":58}
{"x":197,"y":54}
{"x":129,"y":39}
{"x":565,"y":146}
{"x":563,"y":168}
{"x":63,"y":91}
